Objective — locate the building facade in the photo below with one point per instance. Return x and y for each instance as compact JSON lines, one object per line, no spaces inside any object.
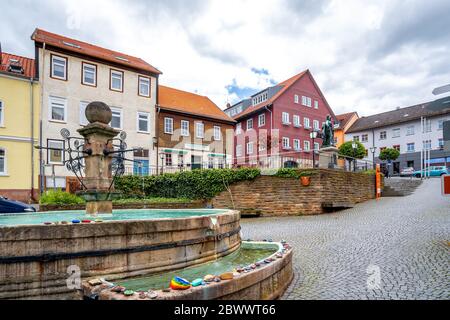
{"x":74,"y":73}
{"x":345,"y":121}
{"x":273,"y":126}
{"x":19,"y":124}
{"x":192,"y":132}
{"x":410,"y":130}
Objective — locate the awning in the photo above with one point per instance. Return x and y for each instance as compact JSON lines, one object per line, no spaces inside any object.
{"x":180,"y":152}
{"x":217,"y":155}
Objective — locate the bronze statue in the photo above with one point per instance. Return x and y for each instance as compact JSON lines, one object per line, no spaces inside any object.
{"x":327,"y":133}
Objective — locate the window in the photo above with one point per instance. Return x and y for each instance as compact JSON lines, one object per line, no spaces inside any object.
{"x":217,"y":133}
{"x":296,"y":99}
{"x":239,"y":128}
{"x":262,"y":144}
{"x":356,"y":138}
{"x":286,"y":143}
{"x":410,"y":147}
{"x":2,"y":112}
{"x":143,"y":121}
{"x":168,"y":159}
{"x":427,"y":144}
{"x":410,"y":130}
{"x":297,"y":121}
{"x":427,"y":127}
{"x":316,"y":124}
{"x":306,"y":145}
{"x":89,"y":74}
{"x":441,"y":124}
{"x":316,"y":104}
{"x":58,"y":67}
{"x":261,"y":120}
{"x":58,"y":109}
{"x":306,"y":123}
{"x":144,"y":86}
{"x":83,"y":120}
{"x":306,"y":101}
{"x":168,"y":125}
{"x":238,"y":151}
{"x":2,"y":161}
{"x":200,"y":130}
{"x":185,"y":128}
{"x":296,"y":144}
{"x":441,"y":143}
{"x":396,"y":133}
{"x":116,"y":120}
{"x":286,"y":118}
{"x":249,"y":124}
{"x":383,"y":135}
{"x":250,"y":148}
{"x":317,"y":147}
{"x":55,"y":152}
{"x":116,"y":82}
{"x":365,"y":138}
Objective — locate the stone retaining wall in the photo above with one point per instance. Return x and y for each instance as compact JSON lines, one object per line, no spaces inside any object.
{"x":274,"y":196}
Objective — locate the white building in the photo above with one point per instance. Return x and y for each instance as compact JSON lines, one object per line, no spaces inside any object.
{"x":72,"y":74}
{"x":402,"y":129}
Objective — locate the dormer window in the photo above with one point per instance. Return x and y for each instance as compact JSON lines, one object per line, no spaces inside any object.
{"x":260,"y":98}
{"x":58,"y":67}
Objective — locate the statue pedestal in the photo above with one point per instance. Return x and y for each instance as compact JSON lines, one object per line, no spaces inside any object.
{"x":328,"y":158}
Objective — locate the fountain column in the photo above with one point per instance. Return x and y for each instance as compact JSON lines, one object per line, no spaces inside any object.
{"x":98,"y":178}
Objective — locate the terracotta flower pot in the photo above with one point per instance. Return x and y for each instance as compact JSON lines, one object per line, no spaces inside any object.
{"x":306,"y":181}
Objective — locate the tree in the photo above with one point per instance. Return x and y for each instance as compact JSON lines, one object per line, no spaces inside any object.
{"x":389,"y":154}
{"x":346,"y":149}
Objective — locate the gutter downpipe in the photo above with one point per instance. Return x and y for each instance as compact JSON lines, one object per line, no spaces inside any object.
{"x":41,"y":168}
{"x":271,"y":129}
{"x":32,"y":198}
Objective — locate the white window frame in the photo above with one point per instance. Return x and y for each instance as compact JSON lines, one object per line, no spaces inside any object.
{"x":396,"y":133}
{"x":239,"y":128}
{"x":297,"y":146}
{"x":307,"y":123}
{"x":60,"y":101}
{"x":144,"y":79}
{"x":2,"y":114}
{"x":185,"y":131}
{"x":441,"y":124}
{"x":410,"y":130}
{"x":385,"y":135}
{"x":120,"y":111}
{"x":83,"y":79}
{"x":296,"y":98}
{"x":316,"y":125}
{"x":83,"y":120}
{"x":62,"y":152}
{"x":413,"y":145}
{"x":111,"y":75}
{"x":54,"y":60}
{"x":285,"y":118}
{"x":316,"y":104}
{"x":200,"y":134}
{"x":249,"y":124}
{"x":307,"y":145}
{"x":217,"y":133}
{"x":306,"y":101}
{"x":250,"y":148}
{"x":147,"y":115}
{"x":286,"y":143}
{"x":297,"y":121}
{"x":239,"y":150}
{"x":316,"y":146}
{"x":5,"y":162}
{"x":262,"y":120}
{"x":365,"y":138}
{"x":168,"y":125}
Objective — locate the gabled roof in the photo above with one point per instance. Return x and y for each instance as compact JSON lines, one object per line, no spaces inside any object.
{"x":190,"y":103}
{"x":80,"y":47}
{"x":345,"y":118}
{"x":402,"y":115}
{"x":26,"y":63}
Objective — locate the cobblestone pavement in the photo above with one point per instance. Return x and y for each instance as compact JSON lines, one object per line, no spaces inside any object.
{"x":407,"y":239}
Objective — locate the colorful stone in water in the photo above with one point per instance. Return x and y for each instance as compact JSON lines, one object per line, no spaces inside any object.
{"x":178,"y":283}
{"x":47,"y":223}
{"x":227,"y":276}
{"x":209,"y":278}
{"x":118,"y":289}
{"x":152,"y":294}
{"x":76,"y":221}
{"x":197,"y":282}
{"x":128,"y":293}
{"x":86,"y":221}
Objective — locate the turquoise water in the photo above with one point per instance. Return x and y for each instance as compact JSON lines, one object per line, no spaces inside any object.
{"x":242,"y":257}
{"x":118,"y":215}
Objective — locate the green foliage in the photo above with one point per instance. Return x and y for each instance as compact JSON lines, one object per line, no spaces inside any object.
{"x":389,"y":154}
{"x":195,"y":184}
{"x":346,"y":149}
{"x":294,"y":173}
{"x":60,"y":198}
{"x":150,"y":200}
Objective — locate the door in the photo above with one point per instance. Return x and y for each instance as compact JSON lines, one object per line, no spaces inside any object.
{"x":396,"y":168}
{"x":196,"y":162}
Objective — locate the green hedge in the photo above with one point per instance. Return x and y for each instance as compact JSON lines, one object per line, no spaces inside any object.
{"x":195,"y":184}
{"x":294,"y":173}
{"x":60,"y":198}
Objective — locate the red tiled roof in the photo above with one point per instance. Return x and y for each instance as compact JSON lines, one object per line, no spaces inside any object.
{"x":72,"y":45}
{"x":286,"y":84}
{"x":26,"y":63}
{"x":345,"y":117}
{"x":189,"y":103}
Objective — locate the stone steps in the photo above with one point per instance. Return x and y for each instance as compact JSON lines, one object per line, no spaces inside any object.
{"x":397,"y":187}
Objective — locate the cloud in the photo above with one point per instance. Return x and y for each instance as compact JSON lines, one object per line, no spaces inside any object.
{"x":369,"y":56}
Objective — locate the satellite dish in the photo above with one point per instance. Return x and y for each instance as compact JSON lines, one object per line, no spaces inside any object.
{"x":65,"y":133}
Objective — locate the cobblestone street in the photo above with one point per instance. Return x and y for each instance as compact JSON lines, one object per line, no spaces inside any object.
{"x":407,"y":239}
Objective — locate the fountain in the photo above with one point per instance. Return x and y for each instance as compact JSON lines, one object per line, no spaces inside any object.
{"x":121,"y":252}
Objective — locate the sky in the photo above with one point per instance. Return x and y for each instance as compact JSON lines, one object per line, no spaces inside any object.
{"x":366,"y":56}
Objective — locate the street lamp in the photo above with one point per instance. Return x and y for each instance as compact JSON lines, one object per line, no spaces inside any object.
{"x":373,"y":150}
{"x":354,"y":146}
{"x":162,"y":163}
{"x":313,"y":136}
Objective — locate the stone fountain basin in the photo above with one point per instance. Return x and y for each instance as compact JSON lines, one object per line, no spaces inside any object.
{"x":34,"y":259}
{"x":266,"y":282}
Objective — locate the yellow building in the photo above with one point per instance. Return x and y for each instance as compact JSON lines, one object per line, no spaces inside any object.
{"x":346,"y":120}
{"x":19,"y":128}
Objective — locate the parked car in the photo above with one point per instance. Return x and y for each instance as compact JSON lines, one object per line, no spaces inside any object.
{"x":435,"y":171}
{"x":13,"y":206}
{"x":407,"y":172}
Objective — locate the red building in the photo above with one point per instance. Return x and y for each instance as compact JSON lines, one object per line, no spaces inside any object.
{"x":273,"y":126}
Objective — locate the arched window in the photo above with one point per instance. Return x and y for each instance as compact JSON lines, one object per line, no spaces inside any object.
{"x":2,"y":161}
